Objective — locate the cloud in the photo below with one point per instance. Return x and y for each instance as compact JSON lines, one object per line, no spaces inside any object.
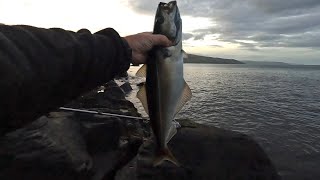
{"x":187,"y":36}
{"x":269,"y":23}
{"x":276,"y":6}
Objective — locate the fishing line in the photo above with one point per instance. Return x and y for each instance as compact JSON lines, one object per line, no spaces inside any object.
{"x":100,"y":113}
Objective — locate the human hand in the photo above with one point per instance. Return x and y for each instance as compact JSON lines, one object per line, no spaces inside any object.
{"x":142,"y":43}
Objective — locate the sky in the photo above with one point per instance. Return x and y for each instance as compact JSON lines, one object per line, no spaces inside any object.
{"x":259,"y":30}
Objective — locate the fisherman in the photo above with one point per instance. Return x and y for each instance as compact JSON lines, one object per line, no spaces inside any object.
{"x":42,"y":69}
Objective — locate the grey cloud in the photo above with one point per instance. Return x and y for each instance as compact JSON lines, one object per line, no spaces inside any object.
{"x":199,"y":36}
{"x":311,"y":40}
{"x":187,"y":36}
{"x":293,"y":24}
{"x":265,"y":37}
{"x":218,"y":46}
{"x":306,"y":40}
{"x":247,"y":46}
{"x":276,"y":6}
{"x":270,"y":23}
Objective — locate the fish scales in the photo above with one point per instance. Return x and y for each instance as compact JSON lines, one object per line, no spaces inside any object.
{"x":165,"y":91}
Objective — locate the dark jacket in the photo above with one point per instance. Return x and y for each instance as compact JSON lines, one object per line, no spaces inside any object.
{"x":42,"y":69}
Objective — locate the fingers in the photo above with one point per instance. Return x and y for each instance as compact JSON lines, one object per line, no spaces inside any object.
{"x":143,"y":42}
{"x":160,"y":40}
{"x":138,"y":58}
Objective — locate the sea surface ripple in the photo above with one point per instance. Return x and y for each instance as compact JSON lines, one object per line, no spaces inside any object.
{"x":277,"y":106}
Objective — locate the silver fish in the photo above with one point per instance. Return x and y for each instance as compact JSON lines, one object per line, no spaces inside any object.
{"x":165,"y":91}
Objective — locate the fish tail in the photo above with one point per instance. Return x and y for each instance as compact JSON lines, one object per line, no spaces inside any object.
{"x":165,"y":154}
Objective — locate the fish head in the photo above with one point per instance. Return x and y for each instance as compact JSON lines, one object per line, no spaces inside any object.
{"x":168,"y":21}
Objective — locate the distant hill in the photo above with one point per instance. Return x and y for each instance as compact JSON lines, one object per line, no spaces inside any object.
{"x":209,"y":60}
{"x":268,"y":63}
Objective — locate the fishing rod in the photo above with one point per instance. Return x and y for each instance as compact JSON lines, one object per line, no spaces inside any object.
{"x":100,"y":113}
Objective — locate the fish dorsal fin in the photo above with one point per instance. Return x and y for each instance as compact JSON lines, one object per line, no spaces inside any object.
{"x":142,"y":96}
{"x":142,"y":72}
{"x":171,"y":133}
{"x":185,"y":55}
{"x":185,"y":97}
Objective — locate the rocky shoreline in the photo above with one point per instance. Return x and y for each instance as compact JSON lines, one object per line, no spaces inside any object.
{"x":68,"y":145}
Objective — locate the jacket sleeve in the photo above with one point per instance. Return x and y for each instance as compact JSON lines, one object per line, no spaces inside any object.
{"x":42,"y":69}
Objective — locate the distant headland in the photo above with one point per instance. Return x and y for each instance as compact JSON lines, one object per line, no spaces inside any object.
{"x":268,"y":63}
{"x":209,"y":60}
{"x":198,"y":59}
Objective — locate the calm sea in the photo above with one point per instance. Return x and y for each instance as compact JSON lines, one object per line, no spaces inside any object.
{"x":278,"y":106}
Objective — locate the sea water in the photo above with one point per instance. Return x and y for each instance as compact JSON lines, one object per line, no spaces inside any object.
{"x":279,"y":106}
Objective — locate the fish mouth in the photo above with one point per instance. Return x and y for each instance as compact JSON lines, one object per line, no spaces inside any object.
{"x":168,"y":6}
{"x":168,"y":21}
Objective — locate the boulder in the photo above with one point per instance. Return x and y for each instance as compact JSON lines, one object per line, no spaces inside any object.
{"x":126,"y":87}
{"x":69,"y":145}
{"x":123,"y":75}
{"x":50,"y":148}
{"x":204,"y":153}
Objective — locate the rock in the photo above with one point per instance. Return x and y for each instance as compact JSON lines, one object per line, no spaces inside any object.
{"x":122,"y":75}
{"x":64,"y":145}
{"x":109,"y":98}
{"x":141,"y":84}
{"x":204,"y":153}
{"x":126,"y":87}
{"x":111,"y":147}
{"x":61,"y":146}
{"x":49,"y":148}
{"x":103,"y":136}
{"x":102,"y":97}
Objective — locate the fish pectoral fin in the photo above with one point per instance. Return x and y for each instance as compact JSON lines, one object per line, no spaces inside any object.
{"x":185,"y":55}
{"x":172,"y":132}
{"x":142,"y":72}
{"x":185,"y":97}
{"x":142,"y":96}
{"x":165,"y":154}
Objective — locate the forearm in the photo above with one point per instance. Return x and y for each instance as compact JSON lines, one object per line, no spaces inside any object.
{"x":42,"y":69}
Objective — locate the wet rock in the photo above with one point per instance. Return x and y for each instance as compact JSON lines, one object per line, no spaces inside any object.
{"x":204,"y":153}
{"x":105,"y":96}
{"x":80,"y":146}
{"x":51,"y":147}
{"x":66,"y":145}
{"x":141,"y":84}
{"x":122,"y":75}
{"x":126,"y":87}
{"x":103,"y":136}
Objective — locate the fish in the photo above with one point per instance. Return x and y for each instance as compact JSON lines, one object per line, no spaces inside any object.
{"x":165,"y":91}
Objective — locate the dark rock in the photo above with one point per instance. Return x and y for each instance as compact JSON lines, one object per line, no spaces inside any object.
{"x":109,"y":98}
{"x":141,"y":84}
{"x":91,"y":146}
{"x":83,"y":31}
{"x":126,"y":87}
{"x":51,"y":147}
{"x":103,"y":136}
{"x":122,"y":75}
{"x":102,"y":97}
{"x":74,"y":145}
{"x":114,"y":151}
{"x":61,"y":147}
{"x":204,"y":153}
